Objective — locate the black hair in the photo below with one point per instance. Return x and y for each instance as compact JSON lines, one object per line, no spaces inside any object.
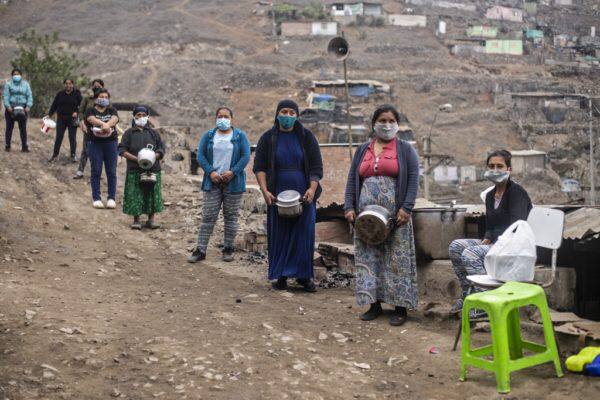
{"x":224,"y":108}
{"x":98,"y":80}
{"x":505,"y":154}
{"x":69,"y":79}
{"x":16,"y":70}
{"x":383,"y":109}
{"x":99,"y":92}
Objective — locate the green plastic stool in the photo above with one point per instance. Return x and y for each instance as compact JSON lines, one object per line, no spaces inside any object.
{"x":502,"y":306}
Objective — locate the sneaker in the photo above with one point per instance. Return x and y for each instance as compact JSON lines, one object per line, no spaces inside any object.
{"x":374,"y":311}
{"x":78,"y":175}
{"x":228,"y":254}
{"x":110,"y":204}
{"x":150,"y":224}
{"x":196,"y":256}
{"x":25,"y":150}
{"x":52,"y":159}
{"x":7,"y":148}
{"x":98,"y":204}
{"x":73,"y":158}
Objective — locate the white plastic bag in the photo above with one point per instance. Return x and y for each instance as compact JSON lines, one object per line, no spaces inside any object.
{"x":513,"y":256}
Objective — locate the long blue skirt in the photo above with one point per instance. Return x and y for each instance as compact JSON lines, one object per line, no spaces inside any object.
{"x":291,"y":240}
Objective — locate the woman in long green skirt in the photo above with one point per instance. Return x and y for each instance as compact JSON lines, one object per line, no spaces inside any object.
{"x":142,"y":193}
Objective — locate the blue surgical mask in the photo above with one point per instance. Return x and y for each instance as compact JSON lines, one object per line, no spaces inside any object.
{"x":103,"y":102}
{"x":286,"y":121}
{"x":16,"y":78}
{"x":223,"y":124}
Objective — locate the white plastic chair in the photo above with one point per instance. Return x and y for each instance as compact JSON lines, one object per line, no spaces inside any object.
{"x":547,"y":225}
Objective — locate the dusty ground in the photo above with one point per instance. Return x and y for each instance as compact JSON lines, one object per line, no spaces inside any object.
{"x":90,"y":309}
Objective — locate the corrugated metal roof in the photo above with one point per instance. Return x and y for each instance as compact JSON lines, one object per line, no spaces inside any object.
{"x":582,"y":223}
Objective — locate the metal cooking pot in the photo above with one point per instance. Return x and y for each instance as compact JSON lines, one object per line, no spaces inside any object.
{"x":374,"y":224}
{"x":289,"y":204}
{"x":435,"y":228}
{"x":19,"y":113}
{"x":146,"y":157}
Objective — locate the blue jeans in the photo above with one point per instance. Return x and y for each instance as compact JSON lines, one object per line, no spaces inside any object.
{"x":99,"y":153}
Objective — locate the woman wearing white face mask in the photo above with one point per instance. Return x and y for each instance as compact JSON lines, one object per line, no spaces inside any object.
{"x":223,"y":153}
{"x":385,"y":172}
{"x":506,"y":203}
{"x":142,"y":194}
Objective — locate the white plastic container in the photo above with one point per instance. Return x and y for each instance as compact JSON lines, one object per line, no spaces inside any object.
{"x":47,"y":125}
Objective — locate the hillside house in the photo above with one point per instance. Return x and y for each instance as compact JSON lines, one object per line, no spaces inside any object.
{"x":407,"y":20}
{"x":504,"y":46}
{"x":353,"y":8}
{"x":356,"y":88}
{"x":290,"y":29}
{"x":524,"y":161}
{"x":481,"y":31}
{"x":500,"y":13}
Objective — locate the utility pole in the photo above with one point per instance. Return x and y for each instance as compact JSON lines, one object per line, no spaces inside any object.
{"x":592,"y":162}
{"x":348,"y":117}
{"x":427,"y":157}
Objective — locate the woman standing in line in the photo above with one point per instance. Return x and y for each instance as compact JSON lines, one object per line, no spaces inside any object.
{"x":66,"y":106}
{"x":101,"y":121}
{"x":223,"y":153}
{"x":288,"y":157}
{"x":385,"y":172}
{"x":142,"y":193}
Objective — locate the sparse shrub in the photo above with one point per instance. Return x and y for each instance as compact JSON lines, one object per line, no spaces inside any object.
{"x":46,"y":65}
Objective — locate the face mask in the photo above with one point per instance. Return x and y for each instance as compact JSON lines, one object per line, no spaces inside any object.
{"x":16,"y":78}
{"x":386,"y":131}
{"x":141,"y":122}
{"x":223,"y":124}
{"x":286,"y":121}
{"x":496,"y":176}
{"x":103,"y":102}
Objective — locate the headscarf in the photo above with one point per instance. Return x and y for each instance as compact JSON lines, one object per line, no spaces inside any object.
{"x":287,"y":104}
{"x":141,"y":108}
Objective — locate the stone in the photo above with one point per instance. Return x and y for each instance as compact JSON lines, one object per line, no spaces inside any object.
{"x":362,"y":365}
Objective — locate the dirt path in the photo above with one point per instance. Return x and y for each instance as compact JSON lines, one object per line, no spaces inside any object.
{"x":90,"y":309}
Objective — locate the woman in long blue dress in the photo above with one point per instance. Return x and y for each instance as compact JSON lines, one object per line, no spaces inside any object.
{"x":288,"y":158}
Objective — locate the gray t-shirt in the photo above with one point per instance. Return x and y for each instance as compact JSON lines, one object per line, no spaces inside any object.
{"x":222,"y":152}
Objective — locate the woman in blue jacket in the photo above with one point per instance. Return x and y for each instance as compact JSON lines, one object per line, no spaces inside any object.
{"x":223,"y":154}
{"x":17,"y":100}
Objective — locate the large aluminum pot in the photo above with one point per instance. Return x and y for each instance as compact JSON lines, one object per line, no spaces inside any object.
{"x":146,"y":157}
{"x":435,"y":228}
{"x":289,"y":204}
{"x":374,"y":224}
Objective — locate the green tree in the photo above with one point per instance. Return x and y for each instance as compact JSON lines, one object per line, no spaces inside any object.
{"x":46,"y":65}
{"x":314,"y":11}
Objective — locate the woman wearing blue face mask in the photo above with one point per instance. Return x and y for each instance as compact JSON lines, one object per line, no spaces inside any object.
{"x":223,"y":153}
{"x":506,"y":203}
{"x":17,"y":99}
{"x":288,"y":158}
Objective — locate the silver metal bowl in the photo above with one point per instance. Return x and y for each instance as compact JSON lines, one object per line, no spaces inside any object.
{"x":373,"y":225}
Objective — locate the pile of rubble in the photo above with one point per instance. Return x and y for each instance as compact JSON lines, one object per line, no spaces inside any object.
{"x":334,"y":265}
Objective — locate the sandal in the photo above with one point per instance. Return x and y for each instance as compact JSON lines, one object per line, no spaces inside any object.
{"x":136,"y":226}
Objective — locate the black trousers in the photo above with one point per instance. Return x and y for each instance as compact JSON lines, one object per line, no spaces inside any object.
{"x":10,"y":124}
{"x":63,"y":124}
